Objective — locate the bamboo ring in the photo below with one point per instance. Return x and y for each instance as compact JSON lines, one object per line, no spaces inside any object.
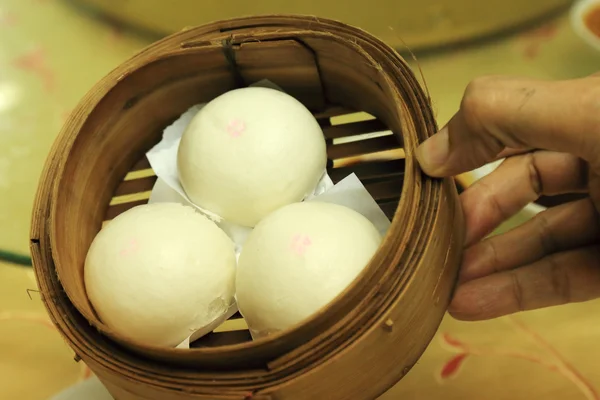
{"x":373,"y":333}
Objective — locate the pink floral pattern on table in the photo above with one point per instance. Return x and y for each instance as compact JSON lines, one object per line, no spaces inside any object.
{"x":35,"y":61}
{"x":8,"y":19}
{"x":556,"y":363}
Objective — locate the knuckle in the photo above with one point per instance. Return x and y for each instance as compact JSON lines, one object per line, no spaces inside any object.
{"x":476,"y":101}
{"x":493,"y":255}
{"x":544,"y":231}
{"x":481,"y":106}
{"x":559,"y":275}
{"x":535,"y":177}
{"x":517,"y":289}
{"x":490,"y":197}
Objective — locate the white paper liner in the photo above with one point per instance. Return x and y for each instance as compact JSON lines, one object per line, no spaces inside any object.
{"x":349,"y":192}
{"x":208,"y":328}
{"x":89,"y":389}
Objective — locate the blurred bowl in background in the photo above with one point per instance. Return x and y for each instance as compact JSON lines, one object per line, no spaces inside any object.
{"x":416,"y":24}
{"x":585,"y":20}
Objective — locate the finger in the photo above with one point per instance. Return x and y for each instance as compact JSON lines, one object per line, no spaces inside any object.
{"x":496,"y":113}
{"x":518,"y":181}
{"x":557,"y":229}
{"x":508,"y":152}
{"x":561,"y":278}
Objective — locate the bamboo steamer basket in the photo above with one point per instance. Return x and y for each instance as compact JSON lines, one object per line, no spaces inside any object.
{"x":371,"y":335}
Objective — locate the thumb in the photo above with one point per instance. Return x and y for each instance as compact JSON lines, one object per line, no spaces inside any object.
{"x":498,"y":113}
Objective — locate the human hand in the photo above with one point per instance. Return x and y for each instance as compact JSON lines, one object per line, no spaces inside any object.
{"x":550,"y":134}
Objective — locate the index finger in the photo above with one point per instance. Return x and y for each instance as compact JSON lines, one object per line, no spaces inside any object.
{"x":498,"y":113}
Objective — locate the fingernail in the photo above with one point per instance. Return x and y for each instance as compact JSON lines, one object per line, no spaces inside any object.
{"x":433,"y":153}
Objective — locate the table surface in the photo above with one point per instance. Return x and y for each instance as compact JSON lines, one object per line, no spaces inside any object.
{"x":51,"y":54}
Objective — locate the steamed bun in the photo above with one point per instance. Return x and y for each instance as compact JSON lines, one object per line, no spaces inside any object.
{"x":299,"y":259}
{"x":158,"y":272}
{"x":249,"y":152}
